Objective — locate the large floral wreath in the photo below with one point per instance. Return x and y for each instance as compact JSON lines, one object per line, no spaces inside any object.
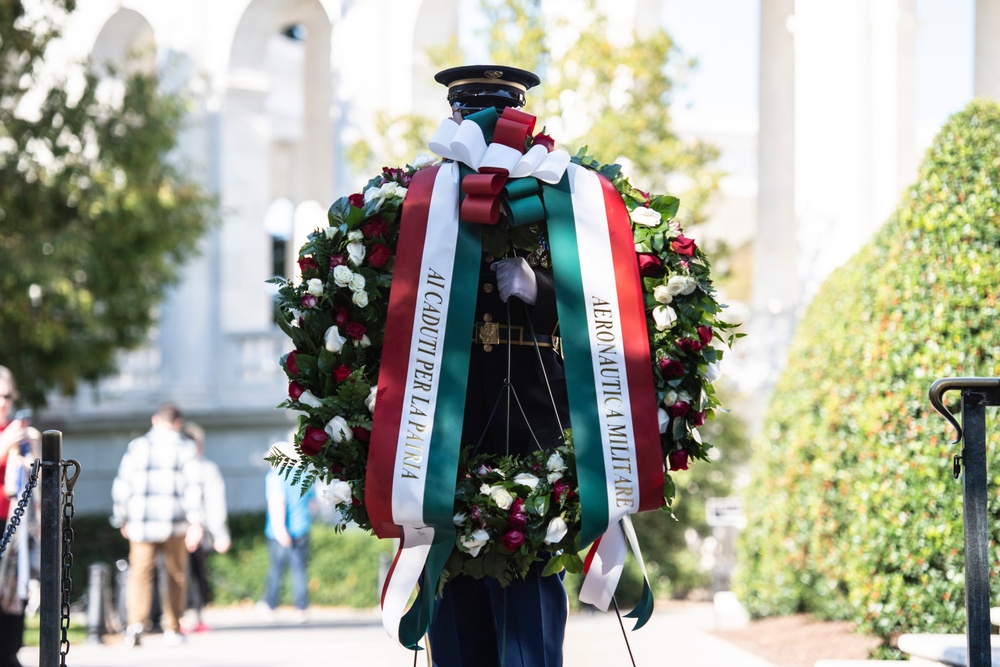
{"x":508,"y":511}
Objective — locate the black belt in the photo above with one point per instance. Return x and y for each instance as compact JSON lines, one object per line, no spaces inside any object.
{"x":489,"y":334}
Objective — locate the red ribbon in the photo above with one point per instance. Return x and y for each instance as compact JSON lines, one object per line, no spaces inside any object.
{"x":482,"y":191}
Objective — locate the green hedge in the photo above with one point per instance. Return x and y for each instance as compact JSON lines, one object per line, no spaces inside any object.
{"x":853,"y":512}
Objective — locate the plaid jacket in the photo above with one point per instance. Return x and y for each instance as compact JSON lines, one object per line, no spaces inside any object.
{"x":157,"y":492}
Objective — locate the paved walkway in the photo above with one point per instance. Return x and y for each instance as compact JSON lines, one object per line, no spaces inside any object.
{"x":677,"y":636}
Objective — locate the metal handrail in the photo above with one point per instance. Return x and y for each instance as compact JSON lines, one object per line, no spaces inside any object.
{"x":977,"y":394}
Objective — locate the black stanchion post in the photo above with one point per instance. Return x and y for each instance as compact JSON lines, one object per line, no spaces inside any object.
{"x":977,"y":566}
{"x":51,"y":550}
{"x":98,"y":592}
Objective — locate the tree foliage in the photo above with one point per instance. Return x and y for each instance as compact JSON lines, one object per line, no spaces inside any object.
{"x":853,"y":511}
{"x":95,"y":217}
{"x":601,"y":88}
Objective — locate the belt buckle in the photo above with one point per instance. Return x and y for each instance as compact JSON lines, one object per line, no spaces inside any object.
{"x":488,"y":333}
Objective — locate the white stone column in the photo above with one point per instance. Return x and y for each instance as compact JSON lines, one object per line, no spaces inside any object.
{"x":986,"y":78}
{"x":894,"y":152}
{"x":833,"y":134}
{"x":776,"y":286}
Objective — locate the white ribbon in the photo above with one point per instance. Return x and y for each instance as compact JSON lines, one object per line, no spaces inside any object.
{"x":606,"y":567}
{"x":465,"y":143}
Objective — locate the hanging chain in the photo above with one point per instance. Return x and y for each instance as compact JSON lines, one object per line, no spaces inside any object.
{"x":22,"y":504}
{"x":67,"y":557}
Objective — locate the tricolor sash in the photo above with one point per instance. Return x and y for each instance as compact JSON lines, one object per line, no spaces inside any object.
{"x":415,"y":441}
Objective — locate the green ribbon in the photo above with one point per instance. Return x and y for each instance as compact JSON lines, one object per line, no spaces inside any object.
{"x":644,"y":609}
{"x":580,"y":387}
{"x":522,"y":201}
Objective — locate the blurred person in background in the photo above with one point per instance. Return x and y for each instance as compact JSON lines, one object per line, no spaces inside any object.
{"x":216,"y":537}
{"x":289,"y":520}
{"x":158,"y":507}
{"x":19,"y":447}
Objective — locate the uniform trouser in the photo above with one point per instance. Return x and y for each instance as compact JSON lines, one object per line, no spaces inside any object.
{"x":142,"y":578}
{"x":477,"y":622}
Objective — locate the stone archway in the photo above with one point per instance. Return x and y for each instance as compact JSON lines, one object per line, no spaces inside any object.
{"x":125,"y":42}
{"x":275,"y":135}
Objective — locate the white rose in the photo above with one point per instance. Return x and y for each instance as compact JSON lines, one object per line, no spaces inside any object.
{"x":554,"y":476}
{"x":664,"y":316}
{"x":296,"y":316}
{"x":370,"y":401}
{"x":356,"y":252}
{"x":365,"y":341}
{"x":333,"y":340}
{"x":646,"y":217}
{"x":713,"y":372}
{"x":670,"y":398}
{"x":555,"y":462}
{"x":663,"y":418}
{"x":338,"y":493}
{"x":683,"y":397}
{"x":360,"y":299}
{"x":502,"y":498}
{"x":355,"y":235}
{"x":556,"y":531}
{"x":526,"y":479}
{"x":338,"y":430}
{"x":690,"y":285}
{"x":485,"y":489}
{"x":424,"y":160}
{"x":475,"y":542}
{"x":371,"y":193}
{"x":662,"y":294}
{"x":357,"y":282}
{"x":315,"y":287}
{"x":459,"y":518}
{"x":388,"y":190}
{"x":331,"y":232}
{"x":676,"y":285}
{"x":310,"y":399}
{"x":342,"y":275}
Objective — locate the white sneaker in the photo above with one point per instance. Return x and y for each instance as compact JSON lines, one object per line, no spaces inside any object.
{"x":173,"y":638}
{"x":264,"y":610}
{"x":133,"y":635}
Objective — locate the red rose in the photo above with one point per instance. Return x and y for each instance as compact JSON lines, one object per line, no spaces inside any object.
{"x":355,"y":330}
{"x":646,"y":201}
{"x":690,"y":344}
{"x":544,"y":140}
{"x":341,"y":373}
{"x":648,"y":264}
{"x":671,"y":367}
{"x":336,"y":260}
{"x":699,"y":418}
{"x":562,"y":491}
{"x":295,"y":390}
{"x":379,"y":255}
{"x":375,"y":227}
{"x":337,"y":471}
{"x":682,"y":245}
{"x":518,"y":520}
{"x":517,"y":506}
{"x":291,"y":365}
{"x":512,"y":540}
{"x":357,"y":200}
{"x":307,"y":265}
{"x":678,"y":460}
{"x":308,"y":301}
{"x":680,"y":409}
{"x":361,"y":434}
{"x":313,"y":440}
{"x":340,"y":315}
{"x":705,"y":334}
{"x":476,"y":513}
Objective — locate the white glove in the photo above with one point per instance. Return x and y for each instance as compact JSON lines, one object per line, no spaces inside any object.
{"x":515,"y":278}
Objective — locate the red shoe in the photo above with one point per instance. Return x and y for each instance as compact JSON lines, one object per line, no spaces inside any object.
{"x":201,"y":627}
